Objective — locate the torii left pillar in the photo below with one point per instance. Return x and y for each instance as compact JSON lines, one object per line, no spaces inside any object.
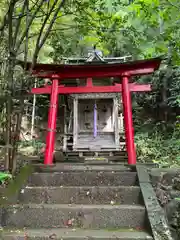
{"x":51,"y":128}
{"x":128,"y":120}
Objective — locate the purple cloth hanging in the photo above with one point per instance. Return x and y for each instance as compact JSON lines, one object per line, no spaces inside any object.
{"x":95,"y":120}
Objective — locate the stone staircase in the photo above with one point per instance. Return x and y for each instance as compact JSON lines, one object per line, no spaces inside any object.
{"x":78,"y":201}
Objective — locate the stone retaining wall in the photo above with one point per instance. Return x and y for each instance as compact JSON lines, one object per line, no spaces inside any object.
{"x":166,"y":183}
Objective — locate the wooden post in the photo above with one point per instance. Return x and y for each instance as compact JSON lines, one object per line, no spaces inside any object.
{"x":75,"y":125}
{"x":95,"y":120}
{"x":128,"y":121}
{"x":65,"y":130}
{"x":121,"y":123}
{"x":52,"y":115}
{"x":115,"y":118}
{"x":121,"y":118}
{"x":33,"y":112}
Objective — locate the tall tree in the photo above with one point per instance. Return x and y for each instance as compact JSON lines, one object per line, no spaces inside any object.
{"x":23,"y":21}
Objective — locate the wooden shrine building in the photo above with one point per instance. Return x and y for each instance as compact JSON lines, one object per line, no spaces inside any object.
{"x":100,"y":89}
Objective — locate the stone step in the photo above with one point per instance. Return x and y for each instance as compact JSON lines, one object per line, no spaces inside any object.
{"x":83,"y":178}
{"x":83,"y":159}
{"x":60,"y":167}
{"x":104,"y":153}
{"x":77,"y":216}
{"x":77,"y":234}
{"x":77,"y":159}
{"x":82,"y":195}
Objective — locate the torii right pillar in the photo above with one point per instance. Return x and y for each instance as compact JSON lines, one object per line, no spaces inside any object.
{"x":128,"y":120}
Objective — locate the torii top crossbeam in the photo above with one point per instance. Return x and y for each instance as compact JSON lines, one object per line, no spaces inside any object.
{"x":90,"y":70}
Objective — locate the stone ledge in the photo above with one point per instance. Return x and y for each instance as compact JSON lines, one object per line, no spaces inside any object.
{"x":80,"y":234}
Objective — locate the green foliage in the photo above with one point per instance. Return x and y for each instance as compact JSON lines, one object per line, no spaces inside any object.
{"x":141,"y":28}
{"x":36,"y":144}
{"x":4,"y":177}
{"x":15,"y":185}
{"x":163,"y":149}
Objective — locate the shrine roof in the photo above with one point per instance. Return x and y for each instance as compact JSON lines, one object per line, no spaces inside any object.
{"x":95,"y":69}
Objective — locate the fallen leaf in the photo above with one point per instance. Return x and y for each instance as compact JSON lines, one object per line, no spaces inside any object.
{"x":53,"y":236}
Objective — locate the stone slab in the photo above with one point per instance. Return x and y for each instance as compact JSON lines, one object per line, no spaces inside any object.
{"x":82,"y":195}
{"x":76,"y":216}
{"x":156,"y":215}
{"x":83,"y":178}
{"x":59,"y":167}
{"x":77,"y":234}
{"x":165,"y":175}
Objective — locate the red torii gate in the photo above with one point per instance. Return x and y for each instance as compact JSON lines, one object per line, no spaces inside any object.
{"x":124,"y":71}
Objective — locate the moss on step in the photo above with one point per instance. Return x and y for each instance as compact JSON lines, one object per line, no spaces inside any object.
{"x":15,"y":185}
